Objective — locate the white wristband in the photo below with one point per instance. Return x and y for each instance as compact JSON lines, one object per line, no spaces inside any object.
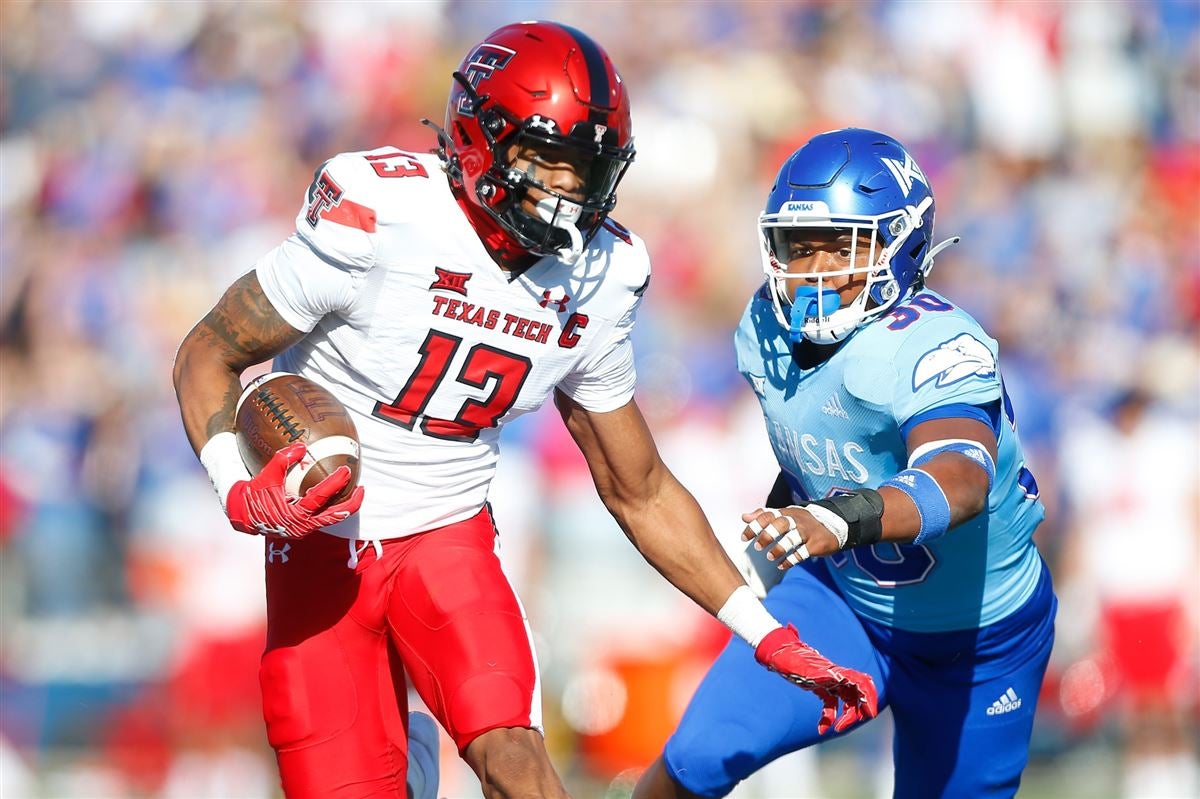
{"x":223,"y":462}
{"x":746,"y":616}
{"x":832,"y":522}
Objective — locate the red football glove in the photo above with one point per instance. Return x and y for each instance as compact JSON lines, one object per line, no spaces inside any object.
{"x":782,"y":651}
{"x":261,"y":505}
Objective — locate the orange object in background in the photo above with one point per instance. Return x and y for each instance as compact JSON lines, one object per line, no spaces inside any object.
{"x":652,"y":691}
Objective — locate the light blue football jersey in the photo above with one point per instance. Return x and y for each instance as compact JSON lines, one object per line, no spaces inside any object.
{"x":837,"y":428}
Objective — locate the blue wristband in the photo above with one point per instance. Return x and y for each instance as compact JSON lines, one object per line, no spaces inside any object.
{"x":930,"y":500}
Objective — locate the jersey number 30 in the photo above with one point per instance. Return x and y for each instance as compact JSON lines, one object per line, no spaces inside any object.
{"x":483,"y":364}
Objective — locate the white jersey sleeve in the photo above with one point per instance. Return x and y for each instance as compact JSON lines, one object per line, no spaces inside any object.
{"x":303,"y":286}
{"x":605,"y":382}
{"x":318,"y":271}
{"x":605,"y":379}
{"x":339,"y":214}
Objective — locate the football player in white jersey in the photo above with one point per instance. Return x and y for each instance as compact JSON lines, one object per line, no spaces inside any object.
{"x":438,"y":296}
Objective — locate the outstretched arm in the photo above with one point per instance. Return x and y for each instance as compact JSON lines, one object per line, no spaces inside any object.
{"x":659,"y":515}
{"x":667,"y":526}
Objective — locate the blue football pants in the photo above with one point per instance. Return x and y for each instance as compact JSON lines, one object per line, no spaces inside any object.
{"x":963,"y":702}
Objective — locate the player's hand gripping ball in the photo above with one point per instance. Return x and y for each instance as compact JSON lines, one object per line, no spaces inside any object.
{"x":301,"y":444}
{"x":280,"y":409}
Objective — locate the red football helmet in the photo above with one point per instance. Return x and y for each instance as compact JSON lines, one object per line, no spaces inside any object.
{"x":550,"y":88}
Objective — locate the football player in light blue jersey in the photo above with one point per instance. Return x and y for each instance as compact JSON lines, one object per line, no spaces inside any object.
{"x":902,"y":520}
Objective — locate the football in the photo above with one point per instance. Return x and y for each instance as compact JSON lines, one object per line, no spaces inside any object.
{"x":280,"y":408}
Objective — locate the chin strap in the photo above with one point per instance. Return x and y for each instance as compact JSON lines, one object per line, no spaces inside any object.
{"x":563,"y":216}
{"x":496,"y":239}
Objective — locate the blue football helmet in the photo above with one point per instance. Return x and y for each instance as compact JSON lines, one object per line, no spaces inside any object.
{"x":863,"y":183}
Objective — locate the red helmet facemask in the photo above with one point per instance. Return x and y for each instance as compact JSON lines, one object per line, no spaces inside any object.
{"x":545,"y":88}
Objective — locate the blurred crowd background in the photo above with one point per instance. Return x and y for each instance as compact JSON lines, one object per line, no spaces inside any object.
{"x":151,"y":150}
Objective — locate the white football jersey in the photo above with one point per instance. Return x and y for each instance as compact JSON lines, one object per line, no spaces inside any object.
{"x":429,"y":343}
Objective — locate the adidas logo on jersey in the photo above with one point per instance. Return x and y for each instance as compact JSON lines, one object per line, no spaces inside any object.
{"x":1008,"y":702}
{"x":833,"y":407}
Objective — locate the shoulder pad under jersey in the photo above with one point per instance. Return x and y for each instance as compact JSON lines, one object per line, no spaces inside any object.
{"x":628,"y":259}
{"x":940,"y":355}
{"x":353,"y":193}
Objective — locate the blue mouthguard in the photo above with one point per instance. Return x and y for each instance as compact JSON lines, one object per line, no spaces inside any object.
{"x":805,"y":306}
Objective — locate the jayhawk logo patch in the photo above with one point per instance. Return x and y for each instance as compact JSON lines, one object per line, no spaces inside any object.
{"x":957,"y":359}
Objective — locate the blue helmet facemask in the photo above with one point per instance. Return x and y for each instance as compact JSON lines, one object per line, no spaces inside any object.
{"x":867,"y":184}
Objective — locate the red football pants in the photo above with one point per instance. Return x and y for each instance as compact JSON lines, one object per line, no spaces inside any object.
{"x":1148,"y":642}
{"x":340,"y":640}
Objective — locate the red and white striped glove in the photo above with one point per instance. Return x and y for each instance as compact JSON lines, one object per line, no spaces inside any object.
{"x":261,"y":505}
{"x":783,"y":652}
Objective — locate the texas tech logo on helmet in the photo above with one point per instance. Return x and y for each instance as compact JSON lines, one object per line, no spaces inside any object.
{"x":486,"y":59}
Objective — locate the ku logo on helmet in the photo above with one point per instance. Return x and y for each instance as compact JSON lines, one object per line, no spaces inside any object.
{"x":905,"y":173}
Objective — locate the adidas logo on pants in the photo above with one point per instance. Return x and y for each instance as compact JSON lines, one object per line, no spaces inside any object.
{"x":1008,"y":701}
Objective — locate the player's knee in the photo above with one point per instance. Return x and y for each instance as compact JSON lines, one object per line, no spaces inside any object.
{"x":512,"y":760}
{"x":709,"y":762}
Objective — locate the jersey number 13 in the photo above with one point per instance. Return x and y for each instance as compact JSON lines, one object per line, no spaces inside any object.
{"x":483,"y":364}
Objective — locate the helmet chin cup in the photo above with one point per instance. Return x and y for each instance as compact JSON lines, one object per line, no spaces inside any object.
{"x":563,"y":215}
{"x":810,"y":305}
{"x":558,"y":212}
{"x":550,"y":229}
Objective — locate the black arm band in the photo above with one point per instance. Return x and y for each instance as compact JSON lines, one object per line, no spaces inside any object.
{"x":863,"y":512}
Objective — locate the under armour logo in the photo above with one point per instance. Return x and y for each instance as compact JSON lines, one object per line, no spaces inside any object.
{"x":282,"y":551}
{"x":600,"y":131}
{"x":322,"y":194}
{"x":905,"y":173}
{"x":539,"y":121}
{"x":561,"y":302}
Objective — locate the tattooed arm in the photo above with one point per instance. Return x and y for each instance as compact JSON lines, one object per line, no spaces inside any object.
{"x":241,"y":330}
